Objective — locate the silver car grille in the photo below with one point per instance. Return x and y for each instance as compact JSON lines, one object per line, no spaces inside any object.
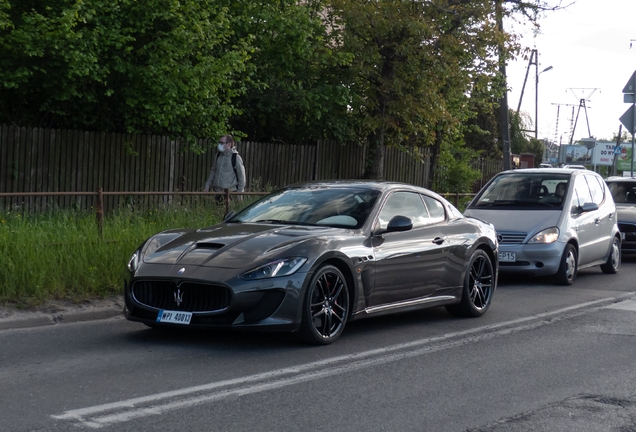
{"x":511,"y":237}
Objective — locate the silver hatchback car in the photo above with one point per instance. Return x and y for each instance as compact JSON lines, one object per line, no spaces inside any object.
{"x":551,"y":221}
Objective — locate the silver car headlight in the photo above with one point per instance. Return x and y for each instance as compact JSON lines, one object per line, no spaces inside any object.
{"x":133,"y":262}
{"x":549,"y":235}
{"x":281,"y":267}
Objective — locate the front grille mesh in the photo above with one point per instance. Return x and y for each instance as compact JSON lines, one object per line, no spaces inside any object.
{"x":193,"y":297}
{"x":511,"y":237}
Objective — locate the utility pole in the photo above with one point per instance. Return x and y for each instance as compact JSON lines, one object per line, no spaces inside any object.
{"x":533,"y":61}
{"x":503,"y":102}
{"x":582,"y":104}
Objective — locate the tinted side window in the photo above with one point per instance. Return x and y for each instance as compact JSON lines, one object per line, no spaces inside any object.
{"x":582,"y":193}
{"x":435,"y":209}
{"x":598,"y":191}
{"x":403,"y":204}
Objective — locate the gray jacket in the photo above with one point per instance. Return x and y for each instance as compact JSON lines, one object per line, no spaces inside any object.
{"x":222,"y":174}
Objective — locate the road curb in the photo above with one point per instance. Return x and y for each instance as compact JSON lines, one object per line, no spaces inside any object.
{"x":58,"y":318}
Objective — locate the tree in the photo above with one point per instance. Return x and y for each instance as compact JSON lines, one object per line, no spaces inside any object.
{"x":519,"y":123}
{"x":416,"y":66}
{"x":158,"y":66}
{"x":422,"y":70}
{"x":299,"y":92}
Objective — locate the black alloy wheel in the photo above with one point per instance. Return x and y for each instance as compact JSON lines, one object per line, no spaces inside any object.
{"x":326,"y":306}
{"x":479,"y":285}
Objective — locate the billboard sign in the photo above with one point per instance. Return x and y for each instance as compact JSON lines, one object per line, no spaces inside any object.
{"x":624,"y":159}
{"x":576,"y":154}
{"x":603,"y":153}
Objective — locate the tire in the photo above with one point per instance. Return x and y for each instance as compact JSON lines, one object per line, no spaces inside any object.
{"x":614,"y":258}
{"x":326,"y":306}
{"x":568,"y":268}
{"x":479,"y":286}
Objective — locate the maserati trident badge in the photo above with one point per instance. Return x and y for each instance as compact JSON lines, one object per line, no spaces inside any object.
{"x":178,"y":297}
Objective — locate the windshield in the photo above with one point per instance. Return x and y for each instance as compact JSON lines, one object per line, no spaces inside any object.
{"x":623,"y":192}
{"x":525,"y":190}
{"x":328,"y":206}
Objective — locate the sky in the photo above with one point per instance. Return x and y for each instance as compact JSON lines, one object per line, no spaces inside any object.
{"x":588,"y":46}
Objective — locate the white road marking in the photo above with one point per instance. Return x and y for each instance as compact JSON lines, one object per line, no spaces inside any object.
{"x":117,"y":412}
{"x":628,"y":305}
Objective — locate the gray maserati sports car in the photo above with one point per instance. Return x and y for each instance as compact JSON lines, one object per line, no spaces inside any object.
{"x":310,"y":257}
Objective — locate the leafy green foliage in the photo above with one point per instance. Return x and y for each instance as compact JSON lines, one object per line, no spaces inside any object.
{"x":420,"y":69}
{"x":299,"y":93}
{"x":380,"y":72}
{"x":158,"y":66}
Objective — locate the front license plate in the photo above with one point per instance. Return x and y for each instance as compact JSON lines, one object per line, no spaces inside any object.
{"x":507,"y":257}
{"x":174,"y":317}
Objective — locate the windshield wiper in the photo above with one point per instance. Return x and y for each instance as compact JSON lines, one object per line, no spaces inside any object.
{"x":283,"y":222}
{"x":497,"y":203}
{"x":515,"y":203}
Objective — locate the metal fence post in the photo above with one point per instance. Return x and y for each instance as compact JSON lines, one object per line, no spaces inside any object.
{"x":100,"y":212}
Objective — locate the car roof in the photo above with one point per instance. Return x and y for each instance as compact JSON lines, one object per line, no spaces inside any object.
{"x":379,"y":185}
{"x":542,"y":170}
{"x":621,"y":179}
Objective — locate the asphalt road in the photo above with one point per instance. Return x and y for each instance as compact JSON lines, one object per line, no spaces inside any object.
{"x":545,"y":357}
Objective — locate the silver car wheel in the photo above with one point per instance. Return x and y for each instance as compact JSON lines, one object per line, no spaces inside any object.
{"x":568,"y":267}
{"x":615,"y":255}
{"x":614,"y":259}
{"x":570,"y":262}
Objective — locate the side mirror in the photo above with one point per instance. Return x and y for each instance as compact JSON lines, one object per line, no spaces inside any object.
{"x":229,"y":215}
{"x":399,"y":223}
{"x":588,"y":207}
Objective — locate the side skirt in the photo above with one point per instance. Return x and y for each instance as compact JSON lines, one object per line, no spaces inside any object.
{"x":404,"y":306}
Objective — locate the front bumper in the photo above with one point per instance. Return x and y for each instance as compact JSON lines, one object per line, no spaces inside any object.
{"x":273,"y":304}
{"x":535,"y":259}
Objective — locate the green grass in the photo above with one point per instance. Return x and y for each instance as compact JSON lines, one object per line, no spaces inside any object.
{"x":60,"y":255}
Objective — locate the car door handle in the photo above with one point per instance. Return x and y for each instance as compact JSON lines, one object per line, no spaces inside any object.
{"x":597,"y":221}
{"x":611,"y":215}
{"x":438,"y":240}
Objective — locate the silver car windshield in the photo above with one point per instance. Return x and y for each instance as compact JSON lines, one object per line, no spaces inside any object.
{"x":326,"y":206}
{"x":525,"y":190}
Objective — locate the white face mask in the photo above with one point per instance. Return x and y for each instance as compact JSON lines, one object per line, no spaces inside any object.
{"x":221,"y":148}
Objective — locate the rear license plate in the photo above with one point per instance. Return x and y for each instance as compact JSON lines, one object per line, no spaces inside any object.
{"x":507,"y":257}
{"x":174,"y":317}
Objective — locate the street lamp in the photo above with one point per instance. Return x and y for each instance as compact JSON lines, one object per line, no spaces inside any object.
{"x":536,"y":98}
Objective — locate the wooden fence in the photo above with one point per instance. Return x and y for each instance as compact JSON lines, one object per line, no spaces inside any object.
{"x":50,"y":160}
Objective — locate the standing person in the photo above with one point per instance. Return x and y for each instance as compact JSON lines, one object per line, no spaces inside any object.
{"x":228,"y":171}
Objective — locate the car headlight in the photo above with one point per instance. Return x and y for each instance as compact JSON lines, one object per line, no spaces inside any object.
{"x":281,"y":267}
{"x":133,"y":263}
{"x":549,"y":235}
